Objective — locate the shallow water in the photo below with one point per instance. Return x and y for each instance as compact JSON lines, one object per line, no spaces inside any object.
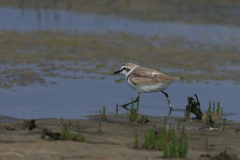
{"x":208,"y":37}
{"x":75,"y":98}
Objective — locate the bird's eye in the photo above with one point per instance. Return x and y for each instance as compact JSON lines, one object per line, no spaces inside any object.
{"x":128,"y":70}
{"x":124,"y":68}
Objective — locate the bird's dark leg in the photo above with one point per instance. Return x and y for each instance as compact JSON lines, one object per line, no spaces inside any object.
{"x":136,"y":100}
{"x":170,"y":111}
{"x":167,"y":99}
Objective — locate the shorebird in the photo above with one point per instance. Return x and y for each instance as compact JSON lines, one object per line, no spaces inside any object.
{"x":145,"y":80}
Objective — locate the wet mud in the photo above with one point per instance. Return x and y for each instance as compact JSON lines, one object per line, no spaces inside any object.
{"x":117,"y":135}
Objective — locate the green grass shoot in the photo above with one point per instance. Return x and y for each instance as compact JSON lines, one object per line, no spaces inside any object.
{"x":144,"y":118}
{"x":152,"y":138}
{"x":99,"y":128}
{"x":133,"y":113}
{"x":224,"y":124}
{"x":206,"y":143}
{"x":136,"y":141}
{"x":65,"y":135}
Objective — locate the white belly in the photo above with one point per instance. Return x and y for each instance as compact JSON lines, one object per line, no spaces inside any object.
{"x":157,"y":87}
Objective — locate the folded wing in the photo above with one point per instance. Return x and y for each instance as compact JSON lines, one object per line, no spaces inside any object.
{"x":142,"y":76}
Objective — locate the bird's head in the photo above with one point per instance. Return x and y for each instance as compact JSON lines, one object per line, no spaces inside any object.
{"x":126,"y":69}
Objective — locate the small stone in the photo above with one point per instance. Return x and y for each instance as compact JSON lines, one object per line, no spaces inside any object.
{"x":47,"y":138}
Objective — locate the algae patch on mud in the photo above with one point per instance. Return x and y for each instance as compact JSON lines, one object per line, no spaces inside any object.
{"x":43,"y":54}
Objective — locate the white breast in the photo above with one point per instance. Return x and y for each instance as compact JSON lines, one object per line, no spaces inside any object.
{"x":157,"y":87}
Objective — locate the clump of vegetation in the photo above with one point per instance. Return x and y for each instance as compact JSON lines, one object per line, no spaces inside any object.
{"x":65,"y":135}
{"x":133,"y":115}
{"x":209,"y":111}
{"x":183,"y":145}
{"x":144,"y":118}
{"x":223,"y":126}
{"x":146,"y":143}
{"x":175,"y":149}
{"x":173,"y":145}
{"x":212,"y":111}
{"x":161,"y":139}
{"x":99,"y":128}
{"x":170,"y":133}
{"x":136,"y":141}
{"x":208,"y":121}
{"x":103,"y":114}
{"x":152,"y":139}
{"x":77,"y":137}
{"x":134,"y":112}
{"x":206,"y":143}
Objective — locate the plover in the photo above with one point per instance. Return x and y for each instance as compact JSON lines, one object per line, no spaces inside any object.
{"x":145,"y":80}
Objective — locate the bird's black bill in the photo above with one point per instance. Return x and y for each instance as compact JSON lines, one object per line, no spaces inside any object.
{"x":119,"y":71}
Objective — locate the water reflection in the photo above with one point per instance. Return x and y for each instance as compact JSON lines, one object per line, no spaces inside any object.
{"x":187,"y":35}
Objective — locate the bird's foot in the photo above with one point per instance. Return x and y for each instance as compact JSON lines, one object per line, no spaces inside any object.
{"x":170,"y":111}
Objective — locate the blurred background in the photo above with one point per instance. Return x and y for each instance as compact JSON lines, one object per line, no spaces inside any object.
{"x":57,"y":57}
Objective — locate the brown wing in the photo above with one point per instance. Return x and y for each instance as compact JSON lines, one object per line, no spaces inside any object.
{"x":141,"y":76}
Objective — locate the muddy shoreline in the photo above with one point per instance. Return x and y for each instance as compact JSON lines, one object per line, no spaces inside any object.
{"x":115,"y":141}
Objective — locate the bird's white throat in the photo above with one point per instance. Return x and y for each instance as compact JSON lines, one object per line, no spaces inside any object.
{"x":128,"y":73}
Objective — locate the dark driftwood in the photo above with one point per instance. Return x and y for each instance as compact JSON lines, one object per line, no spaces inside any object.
{"x":194,"y":107}
{"x":31,"y":124}
{"x":51,"y":135}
